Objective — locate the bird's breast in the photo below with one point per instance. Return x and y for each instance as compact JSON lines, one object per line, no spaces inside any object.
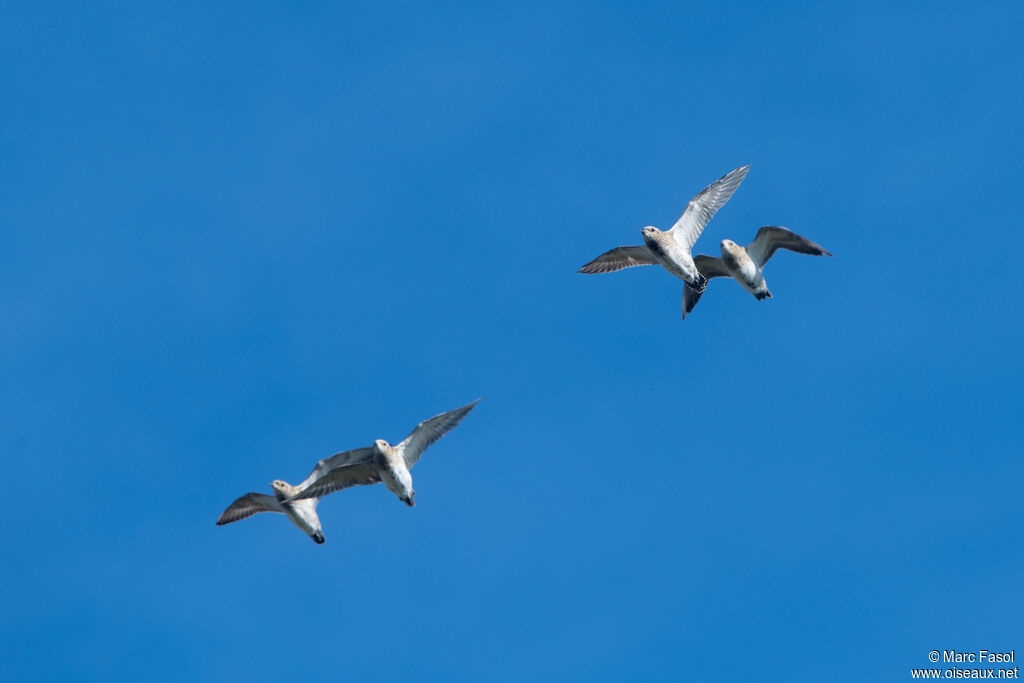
{"x":655,"y":248}
{"x":671,"y":256}
{"x":740,"y":265}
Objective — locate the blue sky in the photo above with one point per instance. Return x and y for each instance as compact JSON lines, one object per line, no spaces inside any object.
{"x":239,"y":238}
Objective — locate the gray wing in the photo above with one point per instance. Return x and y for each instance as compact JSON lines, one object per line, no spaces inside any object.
{"x":690,"y":298}
{"x":354,"y":457}
{"x":619,"y":258}
{"x":772,"y":237}
{"x":247,"y":506}
{"x":429,"y":431}
{"x":709,"y":267}
{"x":339,"y":478}
{"x":702,"y":207}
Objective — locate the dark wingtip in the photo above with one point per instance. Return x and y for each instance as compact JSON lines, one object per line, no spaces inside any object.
{"x":691,"y":296}
{"x":319,"y":537}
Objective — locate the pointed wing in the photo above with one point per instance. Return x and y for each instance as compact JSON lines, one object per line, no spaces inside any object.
{"x":338,"y":478}
{"x":619,"y":258}
{"x":702,"y":207}
{"x":772,"y":237}
{"x":247,"y":506}
{"x":690,"y":298}
{"x":429,"y":431}
{"x":359,"y":455}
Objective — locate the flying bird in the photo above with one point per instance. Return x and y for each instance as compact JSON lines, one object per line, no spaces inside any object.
{"x":384,"y":462}
{"x":671,"y":248}
{"x":746,"y":264}
{"x":302,"y":513}
{"x":368,"y":465}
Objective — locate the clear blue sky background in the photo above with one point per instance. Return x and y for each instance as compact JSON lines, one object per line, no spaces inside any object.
{"x":236,"y":239}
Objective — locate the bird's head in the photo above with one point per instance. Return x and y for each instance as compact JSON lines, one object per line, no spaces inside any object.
{"x":381,"y":445}
{"x":281,"y":487}
{"x":729,"y":247}
{"x":649,"y":231}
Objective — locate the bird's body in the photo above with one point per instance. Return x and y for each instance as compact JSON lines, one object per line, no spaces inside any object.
{"x":746,"y":264}
{"x":672,"y":256}
{"x":302,"y":513}
{"x":743,"y":269}
{"x":394,"y":472}
{"x":362,"y":466}
{"x":671,"y":248}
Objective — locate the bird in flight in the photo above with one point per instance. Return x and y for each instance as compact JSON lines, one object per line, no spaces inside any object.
{"x":671,"y":248}
{"x":746,"y":264}
{"x":368,"y":465}
{"x":384,"y":462}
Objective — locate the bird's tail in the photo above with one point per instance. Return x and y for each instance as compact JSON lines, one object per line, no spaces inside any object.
{"x":691,"y":296}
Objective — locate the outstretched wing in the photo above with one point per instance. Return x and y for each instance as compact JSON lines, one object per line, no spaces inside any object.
{"x":354,"y":457}
{"x":619,"y":258}
{"x":702,"y":207}
{"x":339,"y":478}
{"x":772,"y":237}
{"x":429,"y":431}
{"x":247,"y":506}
